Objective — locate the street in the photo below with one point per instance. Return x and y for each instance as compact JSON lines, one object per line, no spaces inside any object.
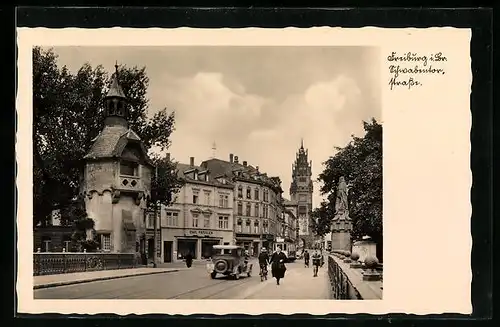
{"x":195,"y":283}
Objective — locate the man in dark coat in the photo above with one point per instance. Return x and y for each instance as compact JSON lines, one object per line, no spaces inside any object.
{"x":189,"y":259}
{"x":278,"y":268}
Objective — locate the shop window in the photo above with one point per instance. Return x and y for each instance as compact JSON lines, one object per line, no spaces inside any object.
{"x":185,"y":246}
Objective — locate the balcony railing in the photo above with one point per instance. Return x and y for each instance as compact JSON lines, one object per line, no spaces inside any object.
{"x":49,"y":263}
{"x":129,"y":183}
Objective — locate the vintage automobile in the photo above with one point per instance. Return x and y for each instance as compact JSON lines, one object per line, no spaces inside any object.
{"x":229,"y":260}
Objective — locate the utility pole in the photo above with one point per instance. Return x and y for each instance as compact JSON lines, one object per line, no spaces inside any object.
{"x":156,"y":218}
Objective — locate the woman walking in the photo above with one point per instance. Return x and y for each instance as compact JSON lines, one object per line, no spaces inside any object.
{"x":278,"y":268}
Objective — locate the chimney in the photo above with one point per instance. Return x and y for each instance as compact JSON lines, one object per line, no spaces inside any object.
{"x":235,"y":159}
{"x":244,"y":163}
{"x":231,"y":157}
{"x":168,"y":156}
{"x":191,"y":161}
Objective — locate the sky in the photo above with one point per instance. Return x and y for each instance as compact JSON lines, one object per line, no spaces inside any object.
{"x":255,"y":102}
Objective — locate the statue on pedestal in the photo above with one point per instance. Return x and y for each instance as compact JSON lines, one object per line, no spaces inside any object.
{"x":341,"y":205}
{"x":341,"y":223}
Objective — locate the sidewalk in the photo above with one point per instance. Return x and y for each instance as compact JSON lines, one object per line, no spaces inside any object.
{"x":298,"y":284}
{"x":91,"y":276}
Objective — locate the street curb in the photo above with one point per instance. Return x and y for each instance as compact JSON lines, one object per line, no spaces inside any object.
{"x":82,"y":281}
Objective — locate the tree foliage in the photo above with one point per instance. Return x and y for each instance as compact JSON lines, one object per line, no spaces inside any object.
{"x":68,"y":114}
{"x":360,"y":162}
{"x":164,"y":181}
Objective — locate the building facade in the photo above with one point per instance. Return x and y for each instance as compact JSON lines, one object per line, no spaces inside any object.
{"x":258,"y":203}
{"x":117,"y":179}
{"x":200,"y":216}
{"x":291,"y":224}
{"x":301,"y":191}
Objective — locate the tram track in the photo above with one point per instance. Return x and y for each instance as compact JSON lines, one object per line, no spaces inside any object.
{"x":205,"y":288}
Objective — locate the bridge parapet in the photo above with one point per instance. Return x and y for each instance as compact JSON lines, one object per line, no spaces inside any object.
{"x":354,"y":280}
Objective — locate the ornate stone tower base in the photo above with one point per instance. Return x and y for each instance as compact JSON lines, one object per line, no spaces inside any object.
{"x":341,"y":240}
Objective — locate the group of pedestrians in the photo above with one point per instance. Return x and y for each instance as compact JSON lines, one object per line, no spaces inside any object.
{"x":276,"y":260}
{"x":317,"y":261}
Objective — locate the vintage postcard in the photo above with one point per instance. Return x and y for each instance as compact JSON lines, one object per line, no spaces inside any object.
{"x":246,"y":171}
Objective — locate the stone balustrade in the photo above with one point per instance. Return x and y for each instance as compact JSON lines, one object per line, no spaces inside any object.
{"x":48,"y":263}
{"x":354,"y":280}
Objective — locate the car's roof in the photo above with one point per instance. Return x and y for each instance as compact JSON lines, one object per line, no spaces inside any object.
{"x":227,"y":247}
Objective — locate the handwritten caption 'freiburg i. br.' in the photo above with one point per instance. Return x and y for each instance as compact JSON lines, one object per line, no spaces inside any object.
{"x":405,"y":68}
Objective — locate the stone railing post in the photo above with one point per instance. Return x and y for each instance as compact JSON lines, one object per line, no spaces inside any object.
{"x":355,"y":263}
{"x":370,"y":273}
{"x":347,"y":258}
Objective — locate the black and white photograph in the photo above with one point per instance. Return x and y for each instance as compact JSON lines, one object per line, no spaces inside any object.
{"x":244,"y":171}
{"x":207,"y":173}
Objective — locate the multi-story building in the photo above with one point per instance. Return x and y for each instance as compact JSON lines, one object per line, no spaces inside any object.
{"x":200,"y":216}
{"x":257,"y":204}
{"x":291,"y":224}
{"x":301,"y":191}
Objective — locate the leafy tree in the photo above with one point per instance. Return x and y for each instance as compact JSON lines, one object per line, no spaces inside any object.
{"x":164,"y":181}
{"x":360,"y":162}
{"x":68,"y":114}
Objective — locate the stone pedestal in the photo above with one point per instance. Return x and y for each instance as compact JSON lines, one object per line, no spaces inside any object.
{"x":364,"y":248}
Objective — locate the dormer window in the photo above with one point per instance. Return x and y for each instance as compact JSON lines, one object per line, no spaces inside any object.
{"x":129,"y":168}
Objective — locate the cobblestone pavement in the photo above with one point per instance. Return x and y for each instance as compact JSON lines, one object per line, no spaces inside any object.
{"x":195,"y":283}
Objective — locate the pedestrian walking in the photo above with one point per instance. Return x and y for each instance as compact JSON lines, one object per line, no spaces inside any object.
{"x":278,"y":267}
{"x":316,"y":261}
{"x":306,"y":258}
{"x":189,"y":259}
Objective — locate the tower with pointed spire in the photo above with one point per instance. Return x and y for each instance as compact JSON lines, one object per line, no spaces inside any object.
{"x":301,"y":191}
{"x":117,"y":179}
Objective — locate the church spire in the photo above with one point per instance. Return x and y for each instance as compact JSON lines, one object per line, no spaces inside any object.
{"x":116,"y":102}
{"x":302,"y":143}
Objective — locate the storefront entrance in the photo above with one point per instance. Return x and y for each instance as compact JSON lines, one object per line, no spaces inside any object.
{"x":206,"y":248}
{"x":185,"y":246}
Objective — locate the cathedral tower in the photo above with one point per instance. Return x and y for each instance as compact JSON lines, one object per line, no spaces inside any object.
{"x":301,"y":191}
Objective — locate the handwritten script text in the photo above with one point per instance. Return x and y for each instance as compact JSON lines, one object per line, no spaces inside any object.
{"x":405,"y":68}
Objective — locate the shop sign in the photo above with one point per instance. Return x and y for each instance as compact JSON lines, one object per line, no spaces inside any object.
{"x":199,"y":232}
